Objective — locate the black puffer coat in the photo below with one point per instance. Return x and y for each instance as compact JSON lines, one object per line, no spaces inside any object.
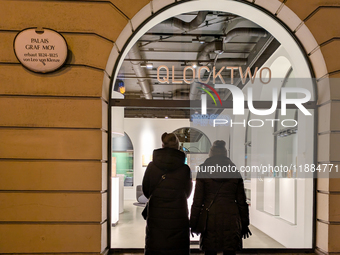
{"x":228,"y":212}
{"x":167,"y":229}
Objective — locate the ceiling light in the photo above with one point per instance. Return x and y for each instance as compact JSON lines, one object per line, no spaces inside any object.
{"x":149,"y":66}
{"x":194,"y":65}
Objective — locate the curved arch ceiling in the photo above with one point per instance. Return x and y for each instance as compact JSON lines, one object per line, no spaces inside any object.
{"x":244,"y":16}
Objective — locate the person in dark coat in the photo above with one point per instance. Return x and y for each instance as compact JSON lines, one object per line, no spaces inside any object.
{"x":228,"y":217}
{"x":167,"y":223}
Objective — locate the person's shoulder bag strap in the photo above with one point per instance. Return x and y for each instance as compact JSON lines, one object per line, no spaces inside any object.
{"x":203,"y":217}
{"x":159,"y":182}
{"x":212,"y":201}
{"x":145,"y":211}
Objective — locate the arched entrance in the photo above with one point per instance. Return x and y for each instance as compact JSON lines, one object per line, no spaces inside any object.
{"x":290,"y":48}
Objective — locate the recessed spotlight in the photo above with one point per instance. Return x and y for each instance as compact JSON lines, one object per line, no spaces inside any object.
{"x":147,"y":65}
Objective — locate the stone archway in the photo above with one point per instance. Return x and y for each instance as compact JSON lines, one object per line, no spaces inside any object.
{"x":298,"y":30}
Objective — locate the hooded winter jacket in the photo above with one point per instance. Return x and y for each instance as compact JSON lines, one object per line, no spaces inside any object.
{"x":167,"y":225}
{"x":229,"y":211}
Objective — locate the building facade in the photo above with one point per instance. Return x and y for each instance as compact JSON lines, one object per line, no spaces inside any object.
{"x":54,"y":127}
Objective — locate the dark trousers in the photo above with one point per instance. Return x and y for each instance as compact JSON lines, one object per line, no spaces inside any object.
{"x":215,"y":253}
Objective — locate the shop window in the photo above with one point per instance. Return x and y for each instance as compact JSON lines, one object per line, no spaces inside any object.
{"x":122,"y":158}
{"x":153,"y":68}
{"x":195,"y":144}
{"x":193,"y":140}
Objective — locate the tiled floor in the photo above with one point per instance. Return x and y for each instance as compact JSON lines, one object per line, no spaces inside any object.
{"x":130,"y":232}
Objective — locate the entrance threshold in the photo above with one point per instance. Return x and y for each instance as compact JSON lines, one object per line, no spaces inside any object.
{"x":244,"y":251}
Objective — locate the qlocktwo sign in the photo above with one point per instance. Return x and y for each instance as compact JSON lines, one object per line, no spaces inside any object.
{"x":40,"y":51}
{"x":240,"y":97}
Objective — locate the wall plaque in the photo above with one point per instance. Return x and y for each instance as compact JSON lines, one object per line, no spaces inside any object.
{"x":40,"y":51}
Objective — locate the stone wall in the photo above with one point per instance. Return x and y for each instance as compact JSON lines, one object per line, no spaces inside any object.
{"x":53,"y":127}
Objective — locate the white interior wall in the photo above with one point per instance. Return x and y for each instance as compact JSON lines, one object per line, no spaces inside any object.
{"x":237,"y":152}
{"x":264,"y":211}
{"x":145,"y":135}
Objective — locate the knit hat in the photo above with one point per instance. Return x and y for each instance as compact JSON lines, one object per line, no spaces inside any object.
{"x":170,"y":141}
{"x":218,"y":149}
